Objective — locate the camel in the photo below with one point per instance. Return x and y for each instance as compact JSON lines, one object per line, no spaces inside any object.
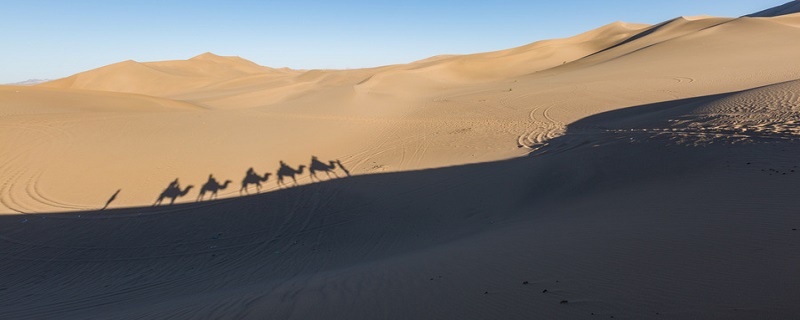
{"x":317,"y":165}
{"x":253,"y":178}
{"x":212,"y":186}
{"x":172,"y":192}
{"x":287,"y":171}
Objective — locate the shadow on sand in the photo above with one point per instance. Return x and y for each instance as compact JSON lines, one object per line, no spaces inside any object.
{"x":287,"y":171}
{"x":212,"y":186}
{"x":111,"y":199}
{"x":172,"y":192}
{"x":330,"y":167}
{"x":553,"y":215}
{"x":251,"y":177}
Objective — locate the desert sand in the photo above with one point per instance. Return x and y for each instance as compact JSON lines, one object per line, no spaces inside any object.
{"x":633,"y":171}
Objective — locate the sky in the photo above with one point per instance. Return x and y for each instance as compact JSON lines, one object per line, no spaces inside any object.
{"x":50,"y":39}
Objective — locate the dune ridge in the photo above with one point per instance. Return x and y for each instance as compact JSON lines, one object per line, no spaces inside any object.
{"x":420,"y":103}
{"x":162,"y":78}
{"x":632,"y":171}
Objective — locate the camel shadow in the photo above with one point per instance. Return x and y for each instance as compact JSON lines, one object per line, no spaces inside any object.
{"x":173,"y":192}
{"x":330,"y":167}
{"x":212,"y":186}
{"x":251,"y":177}
{"x":287,"y":171}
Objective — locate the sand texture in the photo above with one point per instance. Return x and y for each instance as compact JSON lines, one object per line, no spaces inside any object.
{"x":632,"y":171}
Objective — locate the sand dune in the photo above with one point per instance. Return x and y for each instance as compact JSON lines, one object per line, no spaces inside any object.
{"x":632,"y":171}
{"x":789,"y":19}
{"x":162,"y":78}
{"x":329,"y":245}
{"x":34,"y":100}
{"x":502,"y":64}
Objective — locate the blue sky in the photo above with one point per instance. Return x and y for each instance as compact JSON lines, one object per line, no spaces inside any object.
{"x":55,"y":38}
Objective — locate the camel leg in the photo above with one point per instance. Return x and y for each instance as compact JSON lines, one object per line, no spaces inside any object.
{"x":258,"y":187}
{"x":295,"y":180}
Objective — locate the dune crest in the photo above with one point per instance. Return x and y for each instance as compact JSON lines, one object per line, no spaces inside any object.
{"x":631,"y":171}
{"x":534,"y":91}
{"x":163,"y":78}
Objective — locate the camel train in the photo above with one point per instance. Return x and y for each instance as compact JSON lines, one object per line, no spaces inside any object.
{"x":212,"y":186}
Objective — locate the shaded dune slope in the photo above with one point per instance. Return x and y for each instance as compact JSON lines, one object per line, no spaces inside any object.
{"x":785,"y":9}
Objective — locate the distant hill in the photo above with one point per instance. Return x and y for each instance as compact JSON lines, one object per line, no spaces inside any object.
{"x":162,"y":78}
{"x":29,"y":82}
